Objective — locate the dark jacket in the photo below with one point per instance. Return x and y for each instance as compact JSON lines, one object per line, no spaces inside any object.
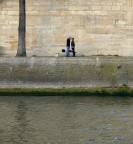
{"x":72,"y":44}
{"x":68,"y":42}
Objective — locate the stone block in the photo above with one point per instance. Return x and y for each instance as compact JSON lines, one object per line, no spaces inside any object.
{"x":94,"y":7}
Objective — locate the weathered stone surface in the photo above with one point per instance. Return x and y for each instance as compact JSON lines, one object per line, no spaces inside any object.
{"x":100,"y":27}
{"x":59,"y":72}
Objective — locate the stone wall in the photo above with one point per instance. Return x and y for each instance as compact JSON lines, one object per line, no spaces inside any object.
{"x":93,"y":72}
{"x":100,"y":27}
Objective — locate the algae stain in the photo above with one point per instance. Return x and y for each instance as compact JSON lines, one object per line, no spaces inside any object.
{"x":110,"y":72}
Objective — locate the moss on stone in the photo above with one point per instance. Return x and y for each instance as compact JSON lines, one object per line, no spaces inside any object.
{"x":121,"y":91}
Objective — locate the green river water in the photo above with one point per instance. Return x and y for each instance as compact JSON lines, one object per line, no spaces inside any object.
{"x":66,"y":120}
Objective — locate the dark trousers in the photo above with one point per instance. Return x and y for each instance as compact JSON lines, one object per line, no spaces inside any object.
{"x":73,"y":51}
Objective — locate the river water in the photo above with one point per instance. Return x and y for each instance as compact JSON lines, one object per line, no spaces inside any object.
{"x":66,"y":120}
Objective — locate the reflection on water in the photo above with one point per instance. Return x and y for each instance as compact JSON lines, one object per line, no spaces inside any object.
{"x":66,"y":120}
{"x":19,"y":129}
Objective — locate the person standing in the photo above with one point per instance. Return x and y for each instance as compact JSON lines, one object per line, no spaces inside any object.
{"x":68,"y":46}
{"x":73,"y":47}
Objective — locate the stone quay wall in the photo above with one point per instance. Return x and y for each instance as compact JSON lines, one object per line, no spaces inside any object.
{"x":100,"y":27}
{"x":79,"y":72}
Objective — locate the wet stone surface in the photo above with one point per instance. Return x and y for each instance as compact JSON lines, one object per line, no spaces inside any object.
{"x":66,"y":120}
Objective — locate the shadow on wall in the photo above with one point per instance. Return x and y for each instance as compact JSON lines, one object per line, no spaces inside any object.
{"x":2,"y":1}
{"x":2,"y":48}
{"x":2,"y":51}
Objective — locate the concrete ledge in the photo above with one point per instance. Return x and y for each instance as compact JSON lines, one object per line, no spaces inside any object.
{"x":62,"y":72}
